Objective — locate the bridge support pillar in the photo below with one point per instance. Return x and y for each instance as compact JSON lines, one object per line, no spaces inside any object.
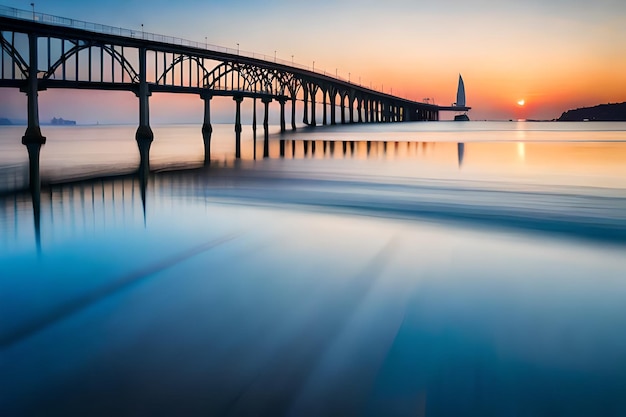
{"x":207,"y":129}
{"x":351,"y":112}
{"x":359,"y":110}
{"x":282,"y":114}
{"x":238,"y":100}
{"x":343,"y":110}
{"x":144,"y":132}
{"x":266,"y":141}
{"x":305,"y":116}
{"x":333,"y":109}
{"x":293,"y":112}
{"x":254,"y":114}
{"x":324,"y":122}
{"x":313,"y":117}
{"x":33,"y":131}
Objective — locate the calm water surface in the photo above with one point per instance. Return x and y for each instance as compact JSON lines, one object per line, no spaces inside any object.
{"x":415,"y":269}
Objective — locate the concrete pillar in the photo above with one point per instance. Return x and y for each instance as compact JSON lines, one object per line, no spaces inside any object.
{"x":144,"y":157}
{"x":293,"y":112}
{"x":313,"y":117}
{"x":254,"y":114}
{"x":343,"y":109}
{"x":144,"y":132}
{"x":359,"y":107}
{"x":305,"y":116}
{"x":282,"y":114}
{"x":207,"y":129}
{"x":266,"y":141}
{"x":33,"y":131}
{"x":333,"y":108}
{"x":238,"y":100}
{"x":324,"y":111}
{"x":351,"y":104}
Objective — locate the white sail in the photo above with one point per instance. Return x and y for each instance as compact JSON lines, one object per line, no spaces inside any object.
{"x":460,"y":93}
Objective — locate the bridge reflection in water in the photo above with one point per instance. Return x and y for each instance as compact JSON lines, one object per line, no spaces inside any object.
{"x":92,"y":205}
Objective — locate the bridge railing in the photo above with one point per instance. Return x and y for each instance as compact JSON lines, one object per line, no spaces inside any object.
{"x":136,"y":34}
{"x":31,"y":15}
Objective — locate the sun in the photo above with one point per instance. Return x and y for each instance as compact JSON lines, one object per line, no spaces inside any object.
{"x":521,"y":102}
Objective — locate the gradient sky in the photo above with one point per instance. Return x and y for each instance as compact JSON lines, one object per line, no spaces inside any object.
{"x":555,"y":55}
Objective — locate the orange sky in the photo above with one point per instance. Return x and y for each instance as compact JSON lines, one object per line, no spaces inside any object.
{"x":555,"y":56}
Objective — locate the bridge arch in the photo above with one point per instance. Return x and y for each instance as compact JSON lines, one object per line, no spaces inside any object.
{"x":15,"y":55}
{"x":254,"y":79}
{"x":125,"y":64}
{"x":178,"y":63}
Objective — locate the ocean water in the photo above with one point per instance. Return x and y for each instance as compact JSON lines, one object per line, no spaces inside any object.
{"x":413,"y":269}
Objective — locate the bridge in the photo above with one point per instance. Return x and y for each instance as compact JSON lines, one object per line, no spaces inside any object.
{"x":41,"y":51}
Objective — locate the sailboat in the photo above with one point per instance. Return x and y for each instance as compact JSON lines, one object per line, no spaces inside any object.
{"x":460,"y":101}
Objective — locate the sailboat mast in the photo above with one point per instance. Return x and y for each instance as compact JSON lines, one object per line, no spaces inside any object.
{"x":460,"y":93}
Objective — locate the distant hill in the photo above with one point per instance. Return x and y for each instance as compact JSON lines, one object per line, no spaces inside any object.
{"x":4,"y":121}
{"x":601,"y":113}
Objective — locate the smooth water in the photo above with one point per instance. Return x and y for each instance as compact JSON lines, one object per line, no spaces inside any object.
{"x":429,"y":269}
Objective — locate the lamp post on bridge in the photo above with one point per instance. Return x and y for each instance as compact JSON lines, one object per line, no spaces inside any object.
{"x":291,"y":60}
{"x":142,"y":33}
{"x":33,"y":6}
{"x":237,"y":48}
{"x":206,"y":43}
{"x":313,"y":66}
{"x":348,"y":77}
{"x":274,"y":55}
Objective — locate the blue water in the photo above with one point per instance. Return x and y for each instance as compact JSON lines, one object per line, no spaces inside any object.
{"x":439,"y":270}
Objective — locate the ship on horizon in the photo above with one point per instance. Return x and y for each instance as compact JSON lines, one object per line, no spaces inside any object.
{"x":460,"y":101}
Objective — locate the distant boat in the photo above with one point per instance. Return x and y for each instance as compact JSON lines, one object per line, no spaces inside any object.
{"x":460,"y":100}
{"x":61,"y":121}
{"x":460,"y":93}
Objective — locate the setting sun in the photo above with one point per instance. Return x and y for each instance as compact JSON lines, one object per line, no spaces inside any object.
{"x":521,"y":102}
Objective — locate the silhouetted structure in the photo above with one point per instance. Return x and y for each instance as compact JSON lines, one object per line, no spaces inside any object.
{"x":108,"y":58}
{"x":602,"y":113}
